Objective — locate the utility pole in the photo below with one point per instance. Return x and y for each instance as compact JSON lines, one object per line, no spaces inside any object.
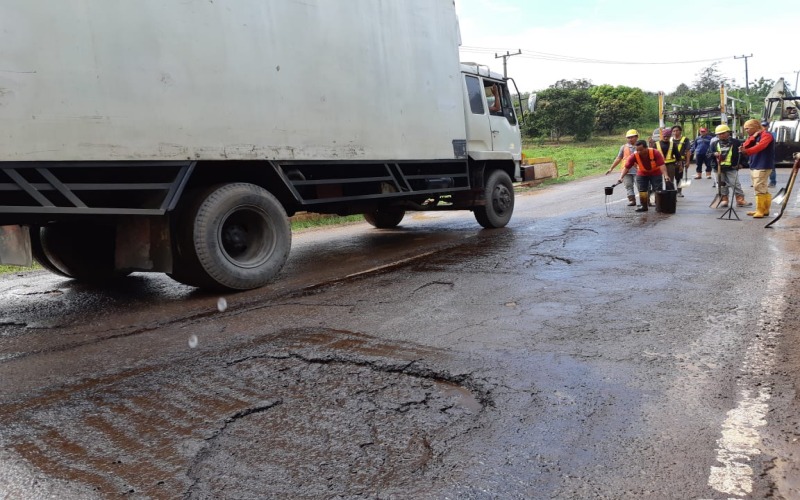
{"x":505,"y":59}
{"x":746,"y":77}
{"x":796,"y":73}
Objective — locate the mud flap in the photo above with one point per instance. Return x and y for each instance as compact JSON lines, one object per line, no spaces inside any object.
{"x":15,"y":246}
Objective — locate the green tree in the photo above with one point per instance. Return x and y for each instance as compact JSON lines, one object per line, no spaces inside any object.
{"x":709,"y":79}
{"x":565,"y":108}
{"x":617,"y":106}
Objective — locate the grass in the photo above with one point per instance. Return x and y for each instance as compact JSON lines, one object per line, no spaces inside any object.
{"x":589,"y":158}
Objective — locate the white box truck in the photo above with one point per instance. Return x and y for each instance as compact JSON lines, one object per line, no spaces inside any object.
{"x":177,"y":137}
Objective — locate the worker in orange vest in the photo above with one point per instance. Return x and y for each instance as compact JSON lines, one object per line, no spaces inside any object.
{"x":650,"y":171}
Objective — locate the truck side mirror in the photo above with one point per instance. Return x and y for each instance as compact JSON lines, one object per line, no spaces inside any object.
{"x":532,"y":103}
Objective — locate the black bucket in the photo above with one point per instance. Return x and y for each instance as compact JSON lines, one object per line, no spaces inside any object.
{"x":666,"y":201}
{"x":609,"y":190}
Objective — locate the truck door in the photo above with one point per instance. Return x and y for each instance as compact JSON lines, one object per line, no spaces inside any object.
{"x":502,"y":119}
{"x":479,"y":136}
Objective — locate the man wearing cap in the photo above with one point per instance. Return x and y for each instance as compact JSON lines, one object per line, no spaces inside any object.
{"x":625,"y":151}
{"x":725,"y":151}
{"x":700,"y":151}
{"x":650,"y":172}
{"x":760,"y":150}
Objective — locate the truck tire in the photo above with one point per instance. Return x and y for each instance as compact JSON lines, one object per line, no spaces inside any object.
{"x":499,"y":195}
{"x":80,"y":251}
{"x":37,"y":250}
{"x":385,"y":218}
{"x":231,"y":237}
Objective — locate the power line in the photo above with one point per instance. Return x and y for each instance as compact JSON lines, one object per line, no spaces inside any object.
{"x":546,"y":56}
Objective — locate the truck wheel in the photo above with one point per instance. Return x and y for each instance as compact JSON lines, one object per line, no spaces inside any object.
{"x":38,"y":252}
{"x":499,"y":194}
{"x":231,"y":237}
{"x":79,"y":251}
{"x":385,"y":218}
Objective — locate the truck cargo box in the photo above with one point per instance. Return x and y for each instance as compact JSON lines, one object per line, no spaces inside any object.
{"x":159,"y":80}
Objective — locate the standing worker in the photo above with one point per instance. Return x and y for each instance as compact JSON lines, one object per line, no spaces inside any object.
{"x":760,"y":150}
{"x":699,"y":150}
{"x":725,"y":151}
{"x":625,"y":151}
{"x":670,"y":150}
{"x":651,"y":169}
{"x":683,"y":155}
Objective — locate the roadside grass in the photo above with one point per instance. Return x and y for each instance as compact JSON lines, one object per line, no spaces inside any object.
{"x":589,"y":158}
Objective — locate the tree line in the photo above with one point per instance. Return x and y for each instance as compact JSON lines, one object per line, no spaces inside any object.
{"x":578,"y":108}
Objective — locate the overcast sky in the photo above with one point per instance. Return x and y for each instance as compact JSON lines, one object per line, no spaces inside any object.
{"x":606,"y":41}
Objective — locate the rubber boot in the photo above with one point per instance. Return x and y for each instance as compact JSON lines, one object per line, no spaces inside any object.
{"x":762,"y":206}
{"x":753,"y":212}
{"x":631,"y":200}
{"x":643,"y":200}
{"x":724,"y":202}
{"x":740,"y":201}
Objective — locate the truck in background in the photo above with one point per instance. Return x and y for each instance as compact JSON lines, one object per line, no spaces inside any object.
{"x":178,"y":137}
{"x":781,"y":108}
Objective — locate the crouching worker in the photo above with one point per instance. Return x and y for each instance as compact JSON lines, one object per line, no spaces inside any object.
{"x":725,"y":151}
{"x":650,"y":172}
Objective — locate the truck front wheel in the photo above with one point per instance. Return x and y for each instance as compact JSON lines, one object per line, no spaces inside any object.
{"x":231,"y":237}
{"x":499,"y":195}
{"x":385,"y":218}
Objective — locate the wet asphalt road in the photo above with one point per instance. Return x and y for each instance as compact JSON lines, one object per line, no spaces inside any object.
{"x":584,"y":351}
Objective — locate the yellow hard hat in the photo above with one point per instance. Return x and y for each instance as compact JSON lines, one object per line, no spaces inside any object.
{"x":722,"y":128}
{"x":631,"y":133}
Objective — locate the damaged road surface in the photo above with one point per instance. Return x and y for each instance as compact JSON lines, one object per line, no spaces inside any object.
{"x":584,"y":351}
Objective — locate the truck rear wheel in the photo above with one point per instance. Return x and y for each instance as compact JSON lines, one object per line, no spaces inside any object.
{"x":79,"y":251}
{"x":385,"y":218}
{"x":231,"y":237}
{"x":499,"y":195}
{"x":37,"y":250}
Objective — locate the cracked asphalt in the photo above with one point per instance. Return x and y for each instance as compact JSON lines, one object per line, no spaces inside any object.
{"x":584,"y":351}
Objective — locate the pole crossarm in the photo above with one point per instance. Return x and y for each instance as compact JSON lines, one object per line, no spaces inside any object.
{"x":505,"y":60}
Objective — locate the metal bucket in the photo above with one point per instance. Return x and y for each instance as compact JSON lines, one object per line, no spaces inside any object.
{"x":609,"y":190}
{"x":666,"y":201}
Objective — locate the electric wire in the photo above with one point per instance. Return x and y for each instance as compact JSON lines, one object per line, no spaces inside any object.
{"x":546,"y":56}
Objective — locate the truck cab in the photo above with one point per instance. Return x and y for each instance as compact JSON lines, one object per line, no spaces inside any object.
{"x":493,"y":132}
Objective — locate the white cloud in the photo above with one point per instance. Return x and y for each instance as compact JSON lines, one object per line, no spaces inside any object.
{"x":606,"y":34}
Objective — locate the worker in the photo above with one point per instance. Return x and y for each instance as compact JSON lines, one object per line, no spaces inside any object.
{"x":625,"y":151}
{"x":725,"y":151}
{"x":649,"y":173}
{"x":682,"y":153}
{"x":699,"y":150}
{"x":760,"y":150}
{"x":673,"y":154}
{"x":791,"y":113}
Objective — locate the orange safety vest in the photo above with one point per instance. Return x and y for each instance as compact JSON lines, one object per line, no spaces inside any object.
{"x":639,"y":159}
{"x":626,"y":152}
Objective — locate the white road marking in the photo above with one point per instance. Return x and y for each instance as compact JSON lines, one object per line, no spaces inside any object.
{"x":741,"y":439}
